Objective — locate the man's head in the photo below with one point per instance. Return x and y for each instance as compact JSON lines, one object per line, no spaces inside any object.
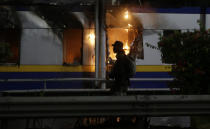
{"x":117,"y":46}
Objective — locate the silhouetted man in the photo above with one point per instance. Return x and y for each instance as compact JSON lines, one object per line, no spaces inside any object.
{"x":119,"y":70}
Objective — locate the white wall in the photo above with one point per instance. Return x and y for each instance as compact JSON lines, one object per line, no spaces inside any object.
{"x":151,"y":56}
{"x":39,"y":45}
{"x":155,"y":23}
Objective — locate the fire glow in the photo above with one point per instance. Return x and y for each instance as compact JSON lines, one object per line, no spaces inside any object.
{"x":91,"y":37}
{"x":126,"y":48}
{"x":129,"y":25}
{"x":126,"y":16}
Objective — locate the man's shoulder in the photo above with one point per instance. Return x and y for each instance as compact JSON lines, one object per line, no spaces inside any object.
{"x":122,"y":58}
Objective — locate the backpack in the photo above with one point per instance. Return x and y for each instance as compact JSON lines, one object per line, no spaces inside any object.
{"x":131,"y":66}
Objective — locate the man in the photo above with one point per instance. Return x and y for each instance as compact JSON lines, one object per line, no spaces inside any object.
{"x":119,"y":70}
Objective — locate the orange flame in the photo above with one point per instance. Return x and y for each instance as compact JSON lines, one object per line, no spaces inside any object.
{"x":126,"y":48}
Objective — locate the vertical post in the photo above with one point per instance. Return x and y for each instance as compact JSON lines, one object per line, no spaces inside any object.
{"x":102,"y":43}
{"x":97,"y":40}
{"x":203,"y":18}
{"x":100,"y":47}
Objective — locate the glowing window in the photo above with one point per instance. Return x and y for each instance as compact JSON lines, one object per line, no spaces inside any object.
{"x":126,"y":36}
{"x":72,"y":46}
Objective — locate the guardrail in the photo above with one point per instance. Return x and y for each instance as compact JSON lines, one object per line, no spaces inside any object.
{"x":76,"y":106}
{"x":83,"y":79}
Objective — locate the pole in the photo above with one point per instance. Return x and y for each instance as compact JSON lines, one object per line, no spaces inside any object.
{"x":102,"y":43}
{"x":203,"y":18}
{"x":97,"y":41}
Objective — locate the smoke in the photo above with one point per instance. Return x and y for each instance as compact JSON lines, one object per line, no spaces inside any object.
{"x":151,"y":20}
{"x":31,"y":20}
{"x":82,"y":18}
{"x":39,"y":45}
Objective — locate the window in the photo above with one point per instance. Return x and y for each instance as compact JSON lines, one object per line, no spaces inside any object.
{"x":128,"y":37}
{"x":9,"y":45}
{"x":72,"y":46}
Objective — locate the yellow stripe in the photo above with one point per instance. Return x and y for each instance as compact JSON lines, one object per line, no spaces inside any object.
{"x":60,"y":68}
{"x":153,"y":68}
{"x":47,"y":68}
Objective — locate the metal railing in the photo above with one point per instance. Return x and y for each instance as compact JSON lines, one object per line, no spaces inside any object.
{"x":76,"y":106}
{"x":83,"y":79}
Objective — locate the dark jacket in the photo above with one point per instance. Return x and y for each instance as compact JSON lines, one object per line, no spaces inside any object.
{"x":119,"y":71}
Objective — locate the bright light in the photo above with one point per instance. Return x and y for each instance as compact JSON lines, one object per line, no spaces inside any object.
{"x":129,"y":25}
{"x":126,"y":30}
{"x":126,"y":48}
{"x":91,"y":38}
{"x":126,"y":15}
